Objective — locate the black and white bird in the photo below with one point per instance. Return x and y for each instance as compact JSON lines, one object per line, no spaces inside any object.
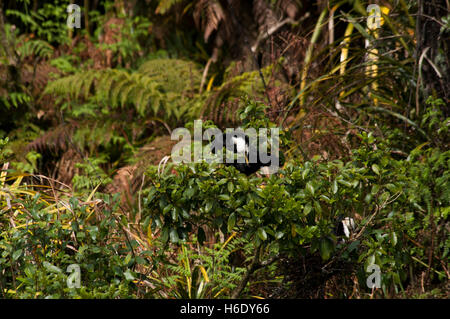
{"x":238,"y":143}
{"x":346,"y":227}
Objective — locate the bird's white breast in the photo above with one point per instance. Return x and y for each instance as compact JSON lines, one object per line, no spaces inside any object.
{"x":241,"y":146}
{"x":349,"y":226}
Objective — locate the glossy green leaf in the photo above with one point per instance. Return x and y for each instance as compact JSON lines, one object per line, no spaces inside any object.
{"x":376,"y":169}
{"x":262,"y":233}
{"x":334,"y":187}
{"x":231,"y":222}
{"x":174,"y":236}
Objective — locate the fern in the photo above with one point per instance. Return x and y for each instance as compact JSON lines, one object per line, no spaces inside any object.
{"x":105,"y":135}
{"x":65,"y":64}
{"x":14,"y":99}
{"x":230,"y":94}
{"x":93,"y":174}
{"x":26,"y":19}
{"x":37,"y":47}
{"x":161,"y":86}
{"x":48,"y":22}
{"x":175,"y":75}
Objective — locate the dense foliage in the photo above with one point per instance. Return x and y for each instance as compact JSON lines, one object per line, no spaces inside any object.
{"x":85,"y":122}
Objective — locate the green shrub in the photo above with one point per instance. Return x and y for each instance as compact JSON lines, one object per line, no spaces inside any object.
{"x":39,"y":240}
{"x":395,"y":202}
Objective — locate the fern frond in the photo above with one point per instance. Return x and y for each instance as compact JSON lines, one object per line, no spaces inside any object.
{"x":37,"y":47}
{"x":173,"y":74}
{"x":161,"y":85}
{"x":15,"y":99}
{"x":229,"y":94}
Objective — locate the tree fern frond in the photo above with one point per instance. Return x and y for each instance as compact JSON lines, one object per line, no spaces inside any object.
{"x":173,"y":74}
{"x":232,"y":90}
{"x":36,"y":47}
{"x":88,"y":81}
{"x":159,"y":85}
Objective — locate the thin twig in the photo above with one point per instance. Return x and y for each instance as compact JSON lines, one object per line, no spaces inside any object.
{"x":264,"y":35}
{"x":250,"y":270}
